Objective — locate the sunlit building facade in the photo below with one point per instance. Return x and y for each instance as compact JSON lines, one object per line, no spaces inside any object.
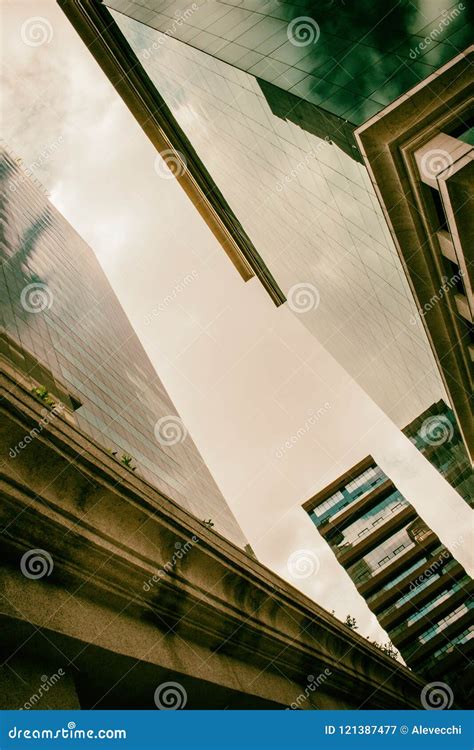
{"x":64,"y":329}
{"x":254,"y":107}
{"x":419,"y":592}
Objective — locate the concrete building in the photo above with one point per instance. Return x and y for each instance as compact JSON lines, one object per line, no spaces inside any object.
{"x":63,"y":326}
{"x":437,"y":436}
{"x":420,"y":154}
{"x":254,"y":107}
{"x":419,"y":592}
{"x":114,"y":596}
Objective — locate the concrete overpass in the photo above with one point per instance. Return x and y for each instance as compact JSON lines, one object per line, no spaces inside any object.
{"x":111,"y":582}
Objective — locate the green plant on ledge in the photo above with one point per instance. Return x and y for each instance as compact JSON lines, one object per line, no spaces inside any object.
{"x":42,"y":394}
{"x":208,"y":524}
{"x":126,"y":460}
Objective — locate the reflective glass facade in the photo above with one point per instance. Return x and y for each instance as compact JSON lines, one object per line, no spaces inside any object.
{"x":308,"y":206}
{"x":436,"y":434}
{"x":419,"y":592}
{"x":346,"y":61}
{"x":63,"y":326}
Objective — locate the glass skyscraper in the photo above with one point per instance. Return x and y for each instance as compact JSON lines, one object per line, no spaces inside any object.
{"x":436,"y":434}
{"x":419,"y":592}
{"x":265,"y":96}
{"x":64,"y":329}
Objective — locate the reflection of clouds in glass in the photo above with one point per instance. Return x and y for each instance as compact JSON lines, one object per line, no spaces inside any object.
{"x":311,"y":212}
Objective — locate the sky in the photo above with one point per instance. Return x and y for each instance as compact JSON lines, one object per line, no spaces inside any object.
{"x":273,"y":414}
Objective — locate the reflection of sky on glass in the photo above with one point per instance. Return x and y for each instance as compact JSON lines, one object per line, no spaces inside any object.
{"x":86,"y":341}
{"x":351,"y":59}
{"x":312,"y":214}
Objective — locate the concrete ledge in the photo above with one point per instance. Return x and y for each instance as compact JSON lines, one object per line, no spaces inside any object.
{"x":118,"y":588}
